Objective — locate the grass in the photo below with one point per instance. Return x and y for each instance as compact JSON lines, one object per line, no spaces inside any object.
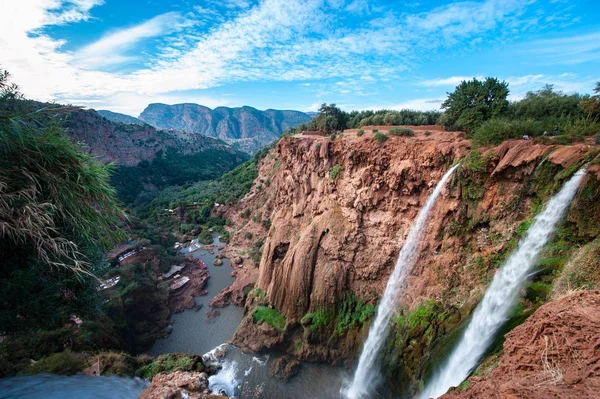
{"x":334,"y":171}
{"x":270,"y":316}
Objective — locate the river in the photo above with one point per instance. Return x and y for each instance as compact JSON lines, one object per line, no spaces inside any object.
{"x":241,"y":373}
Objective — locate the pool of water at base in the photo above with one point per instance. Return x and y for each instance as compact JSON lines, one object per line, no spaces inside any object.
{"x":245,"y":376}
{"x":49,"y":386}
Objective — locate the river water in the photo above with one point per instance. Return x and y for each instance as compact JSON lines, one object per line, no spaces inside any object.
{"x":48,"y":386}
{"x":242,"y":375}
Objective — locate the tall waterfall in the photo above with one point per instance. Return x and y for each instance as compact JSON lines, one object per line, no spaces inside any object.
{"x":367,"y":374}
{"x":502,"y":294}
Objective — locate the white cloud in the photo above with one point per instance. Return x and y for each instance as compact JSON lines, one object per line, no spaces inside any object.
{"x":271,"y":40}
{"x":569,"y":49}
{"x":450,"y":81}
{"x":108,"y":50}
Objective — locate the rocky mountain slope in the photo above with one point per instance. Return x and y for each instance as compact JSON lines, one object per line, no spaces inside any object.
{"x":120,"y":118}
{"x":326,"y":218}
{"x":245,"y":128}
{"x":128,"y":144}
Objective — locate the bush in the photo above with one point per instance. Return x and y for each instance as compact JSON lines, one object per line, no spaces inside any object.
{"x":334,"y":171}
{"x":375,"y":130}
{"x":598,"y":140}
{"x":360,"y":132}
{"x":266,"y":223}
{"x":270,"y":316}
{"x":427,"y":133}
{"x":63,"y":363}
{"x":497,"y":130}
{"x":248,"y":235}
{"x":332,"y":136}
{"x":246,"y":214}
{"x":401,"y":131}
{"x":380,"y":137}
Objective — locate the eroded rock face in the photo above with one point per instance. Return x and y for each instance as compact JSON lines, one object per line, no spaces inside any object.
{"x":554,"y":354}
{"x":180,"y":384}
{"x":339,"y":211}
{"x":284,"y":367}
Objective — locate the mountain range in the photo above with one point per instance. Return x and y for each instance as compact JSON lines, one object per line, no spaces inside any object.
{"x":245,"y":128}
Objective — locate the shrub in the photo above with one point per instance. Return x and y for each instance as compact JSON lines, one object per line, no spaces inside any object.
{"x":427,"y":133}
{"x":270,"y":316}
{"x":497,"y":130}
{"x":598,"y":139}
{"x":401,"y":131}
{"x":361,"y":132}
{"x":375,"y":130}
{"x":266,"y":223}
{"x":332,"y":136}
{"x":170,"y":363}
{"x":380,"y":137}
{"x":63,"y":363}
{"x":334,"y":171}
{"x":248,"y":235}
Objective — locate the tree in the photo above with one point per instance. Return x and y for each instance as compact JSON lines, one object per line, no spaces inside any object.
{"x":474,"y":102}
{"x":591,"y":105}
{"x":330,"y":118}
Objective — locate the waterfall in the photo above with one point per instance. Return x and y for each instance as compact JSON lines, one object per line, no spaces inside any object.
{"x":502,"y":294}
{"x":367,"y":374}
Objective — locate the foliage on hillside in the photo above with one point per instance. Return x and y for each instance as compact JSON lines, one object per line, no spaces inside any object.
{"x":331,"y":118}
{"x":57,"y":214}
{"x":481,"y":109}
{"x":137,"y":185}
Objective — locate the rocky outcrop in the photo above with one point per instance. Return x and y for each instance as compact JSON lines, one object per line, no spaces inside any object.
{"x":180,"y":384}
{"x":246,"y":127}
{"x":284,"y":367}
{"x":554,"y":354}
{"x":326,"y":218}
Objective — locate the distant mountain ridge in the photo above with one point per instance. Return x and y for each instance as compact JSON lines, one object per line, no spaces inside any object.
{"x":245,"y":128}
{"x":120,"y":118}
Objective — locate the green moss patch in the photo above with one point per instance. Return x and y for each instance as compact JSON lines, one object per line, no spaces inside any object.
{"x":270,"y":316}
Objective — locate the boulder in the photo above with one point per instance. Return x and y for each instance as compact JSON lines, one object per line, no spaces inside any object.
{"x":285,"y":367}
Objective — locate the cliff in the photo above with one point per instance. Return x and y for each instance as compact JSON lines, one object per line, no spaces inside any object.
{"x":246,"y":128}
{"x":327,"y":217}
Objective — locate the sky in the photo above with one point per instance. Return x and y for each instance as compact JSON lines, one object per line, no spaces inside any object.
{"x":122,"y":55}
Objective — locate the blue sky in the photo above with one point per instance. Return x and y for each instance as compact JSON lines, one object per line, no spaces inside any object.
{"x":293,"y":54}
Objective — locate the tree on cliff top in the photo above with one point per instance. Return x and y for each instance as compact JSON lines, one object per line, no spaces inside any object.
{"x":591,"y":105}
{"x":330,"y":118}
{"x":474,"y":102}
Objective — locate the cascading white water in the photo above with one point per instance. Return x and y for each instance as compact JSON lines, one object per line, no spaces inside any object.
{"x":367,"y":374}
{"x":502,"y":294}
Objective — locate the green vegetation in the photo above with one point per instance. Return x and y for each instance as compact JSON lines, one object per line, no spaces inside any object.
{"x":334,"y":171}
{"x":170,"y":363}
{"x":481,"y":109}
{"x":375,"y":130}
{"x":427,"y":133}
{"x":397,"y":131}
{"x":474,"y":102}
{"x":62,"y":363}
{"x":360,"y":132}
{"x":348,"y":314}
{"x":248,"y":235}
{"x":58,"y":213}
{"x":172,"y":168}
{"x":380,"y":137}
{"x":270,"y":316}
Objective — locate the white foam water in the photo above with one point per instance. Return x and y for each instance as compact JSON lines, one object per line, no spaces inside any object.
{"x":503,"y":293}
{"x":225,"y":381}
{"x":367,"y":375}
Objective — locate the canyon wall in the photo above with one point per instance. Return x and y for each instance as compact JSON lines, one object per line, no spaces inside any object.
{"x":328,"y":217}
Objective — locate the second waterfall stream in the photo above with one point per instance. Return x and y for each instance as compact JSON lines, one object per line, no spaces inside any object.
{"x":503,"y":293}
{"x":367,"y":373}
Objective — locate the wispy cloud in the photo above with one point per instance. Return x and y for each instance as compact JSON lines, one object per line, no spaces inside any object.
{"x":417,"y":104}
{"x":450,"y":81}
{"x":573,"y":49}
{"x":110,"y":49}
{"x":244,"y":41}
